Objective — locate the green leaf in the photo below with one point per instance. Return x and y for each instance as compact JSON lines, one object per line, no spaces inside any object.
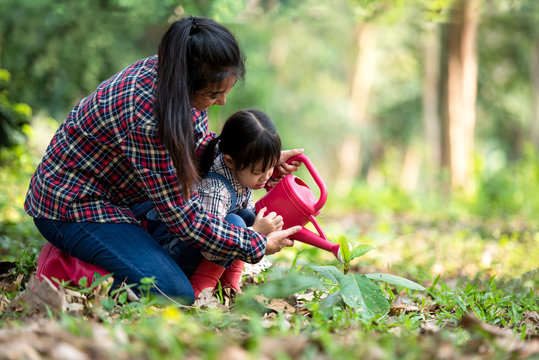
{"x":329,"y":272}
{"x":286,"y":286}
{"x":361,"y":250}
{"x":358,"y":292}
{"x":330,"y":302}
{"x":83,"y":282}
{"x":108,"y":304}
{"x":345,"y":249}
{"x":122,"y":298}
{"x":395,"y":280}
{"x":96,"y":281}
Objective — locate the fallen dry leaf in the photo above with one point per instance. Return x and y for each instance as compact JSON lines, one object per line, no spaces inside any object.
{"x":206,"y":298}
{"x":403,"y":304}
{"x":293,"y":346}
{"x":277,"y":305}
{"x":234,"y":352}
{"x":430,"y":327}
{"x":504,"y":337}
{"x":45,"y":339}
{"x":38,"y":299}
{"x":531,"y":320}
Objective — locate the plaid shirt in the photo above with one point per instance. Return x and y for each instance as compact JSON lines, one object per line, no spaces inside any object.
{"x":107,"y":156}
{"x":215,"y":196}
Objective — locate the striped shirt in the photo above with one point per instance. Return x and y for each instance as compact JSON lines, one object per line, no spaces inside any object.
{"x":107,"y":156}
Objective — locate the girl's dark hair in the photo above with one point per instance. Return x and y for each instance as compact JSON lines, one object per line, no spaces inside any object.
{"x":250,"y":138}
{"x":194,"y":54}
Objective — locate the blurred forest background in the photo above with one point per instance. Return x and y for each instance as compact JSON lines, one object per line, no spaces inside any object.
{"x":412,"y":105}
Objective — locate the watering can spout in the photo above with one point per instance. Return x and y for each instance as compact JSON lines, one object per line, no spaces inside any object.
{"x":308,"y":237}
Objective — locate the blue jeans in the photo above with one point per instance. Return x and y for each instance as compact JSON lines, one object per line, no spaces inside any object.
{"x":128,"y":251}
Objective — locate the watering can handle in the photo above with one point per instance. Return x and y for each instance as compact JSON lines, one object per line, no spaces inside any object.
{"x":312,"y":170}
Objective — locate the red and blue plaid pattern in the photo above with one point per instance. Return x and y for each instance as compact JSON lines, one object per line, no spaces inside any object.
{"x":107,"y":156}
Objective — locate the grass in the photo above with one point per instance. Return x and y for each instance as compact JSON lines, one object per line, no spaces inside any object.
{"x":481,"y":297}
{"x":429,"y":324}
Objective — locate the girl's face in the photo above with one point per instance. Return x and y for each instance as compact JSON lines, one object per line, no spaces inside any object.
{"x":253,"y":179}
{"x":212,"y":95}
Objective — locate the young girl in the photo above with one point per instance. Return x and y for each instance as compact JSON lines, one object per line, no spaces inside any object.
{"x":247,"y":151}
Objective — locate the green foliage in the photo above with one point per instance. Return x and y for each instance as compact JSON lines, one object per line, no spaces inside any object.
{"x":18,"y":235}
{"x":388,"y":198}
{"x":13,"y":116}
{"x":57,"y":52}
{"x":26,"y":262}
{"x":286,"y":286}
{"x":498,"y":302}
{"x":361,"y":250}
{"x":395,"y":280}
{"x":511,"y":191}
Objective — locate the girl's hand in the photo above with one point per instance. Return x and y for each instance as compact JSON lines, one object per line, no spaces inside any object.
{"x":277,"y":240}
{"x":267,"y":224}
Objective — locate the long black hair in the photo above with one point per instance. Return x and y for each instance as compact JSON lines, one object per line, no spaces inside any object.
{"x":194,"y":54}
{"x":250,"y":138}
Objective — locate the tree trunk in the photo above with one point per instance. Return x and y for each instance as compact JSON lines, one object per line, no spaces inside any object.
{"x":411,"y":165}
{"x":431,"y":107}
{"x":461,"y":92}
{"x":349,"y":155}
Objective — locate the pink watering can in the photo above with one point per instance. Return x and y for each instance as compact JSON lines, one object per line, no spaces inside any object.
{"x":297,"y":204}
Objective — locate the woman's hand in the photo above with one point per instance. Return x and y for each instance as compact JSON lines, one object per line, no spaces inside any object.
{"x":283,"y":167}
{"x":269,"y":223}
{"x":277,"y":240}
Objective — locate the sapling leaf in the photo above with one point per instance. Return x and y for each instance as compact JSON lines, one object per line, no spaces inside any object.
{"x":344,"y":252}
{"x":360,"y":293}
{"x":395,"y":280}
{"x":289,"y":285}
{"x":327,"y":304}
{"x":329,"y":272}
{"x":361,"y":250}
{"x":345,"y":248}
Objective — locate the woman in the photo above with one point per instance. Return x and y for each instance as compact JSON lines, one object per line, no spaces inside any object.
{"x":136,"y":139}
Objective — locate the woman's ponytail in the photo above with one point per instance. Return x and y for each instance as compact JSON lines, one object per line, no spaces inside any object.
{"x":172,"y":105}
{"x":195,"y":53}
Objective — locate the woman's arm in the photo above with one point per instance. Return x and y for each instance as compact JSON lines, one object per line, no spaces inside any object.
{"x":185,"y":217}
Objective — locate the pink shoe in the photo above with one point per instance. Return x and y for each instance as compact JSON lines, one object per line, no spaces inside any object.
{"x":54,"y":263}
{"x":206,"y":275}
{"x":232,"y":275}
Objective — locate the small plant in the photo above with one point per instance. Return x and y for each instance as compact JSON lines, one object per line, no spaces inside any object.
{"x":26,"y":262}
{"x":357,"y":291}
{"x":342,"y":290}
